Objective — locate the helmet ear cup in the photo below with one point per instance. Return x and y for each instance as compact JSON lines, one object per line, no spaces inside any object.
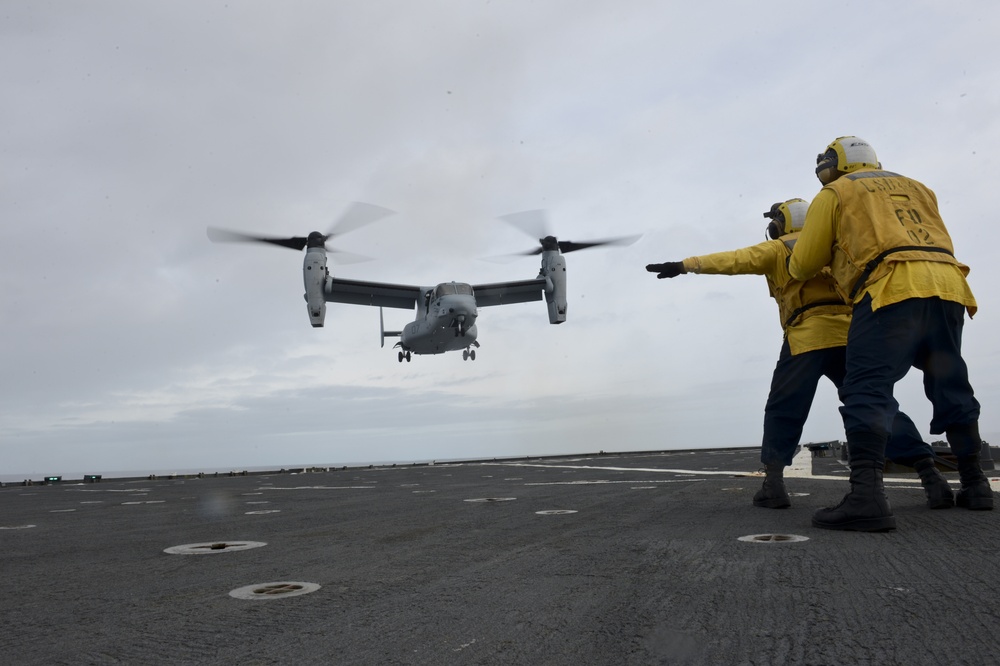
{"x":827,"y":175}
{"x":826,"y":165}
{"x":775,"y":229}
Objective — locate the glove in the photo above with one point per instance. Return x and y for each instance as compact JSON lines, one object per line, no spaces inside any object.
{"x":668,"y":270}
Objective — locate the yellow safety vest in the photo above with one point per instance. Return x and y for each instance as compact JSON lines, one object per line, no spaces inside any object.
{"x":797,"y":300}
{"x":884,"y":217}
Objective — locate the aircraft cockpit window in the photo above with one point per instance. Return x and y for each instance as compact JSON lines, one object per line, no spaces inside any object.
{"x":452,"y":288}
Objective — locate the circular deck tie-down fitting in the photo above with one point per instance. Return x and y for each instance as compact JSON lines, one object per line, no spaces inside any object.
{"x":211,"y":547}
{"x":276,"y":590}
{"x":774,"y":538}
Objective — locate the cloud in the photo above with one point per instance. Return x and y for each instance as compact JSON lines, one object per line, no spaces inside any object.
{"x":131,"y":341}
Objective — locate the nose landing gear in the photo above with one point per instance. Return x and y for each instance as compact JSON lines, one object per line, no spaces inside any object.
{"x":403,"y":355}
{"x":468,"y":354}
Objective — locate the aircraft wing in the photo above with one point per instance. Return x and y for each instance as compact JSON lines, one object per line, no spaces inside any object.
{"x":505,"y":293}
{"x":357,"y":292}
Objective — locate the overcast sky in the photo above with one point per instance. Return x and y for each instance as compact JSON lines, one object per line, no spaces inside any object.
{"x":132,"y":343}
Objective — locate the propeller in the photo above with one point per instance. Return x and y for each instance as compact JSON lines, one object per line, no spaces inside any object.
{"x":535,"y":223}
{"x":358,"y":215}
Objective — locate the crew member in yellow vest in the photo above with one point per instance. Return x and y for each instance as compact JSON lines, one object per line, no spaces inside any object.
{"x":815,"y":320}
{"x":888,"y":249}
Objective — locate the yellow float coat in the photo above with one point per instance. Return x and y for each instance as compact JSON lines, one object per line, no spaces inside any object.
{"x":812,"y":313}
{"x":902,"y":275}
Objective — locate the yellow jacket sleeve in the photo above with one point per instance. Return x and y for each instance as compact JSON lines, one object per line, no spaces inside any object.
{"x":757,"y":259}
{"x":814,"y":249}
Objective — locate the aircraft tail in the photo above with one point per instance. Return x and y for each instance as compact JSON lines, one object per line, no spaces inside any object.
{"x":384,"y":333}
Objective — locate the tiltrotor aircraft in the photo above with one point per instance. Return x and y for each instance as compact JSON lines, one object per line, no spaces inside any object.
{"x":446,"y":314}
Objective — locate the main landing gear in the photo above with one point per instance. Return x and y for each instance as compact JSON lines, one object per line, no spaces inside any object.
{"x":403,"y":355}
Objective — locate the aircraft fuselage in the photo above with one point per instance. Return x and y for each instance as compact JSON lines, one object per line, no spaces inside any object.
{"x":446,"y":321}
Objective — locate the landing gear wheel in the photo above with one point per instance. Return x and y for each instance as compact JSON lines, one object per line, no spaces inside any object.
{"x":472,"y":354}
{"x":407,"y":357}
{"x":465,"y":354}
{"x":400,"y":357}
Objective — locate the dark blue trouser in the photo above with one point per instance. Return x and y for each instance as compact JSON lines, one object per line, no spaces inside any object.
{"x":793,"y":387}
{"x":882,"y":346}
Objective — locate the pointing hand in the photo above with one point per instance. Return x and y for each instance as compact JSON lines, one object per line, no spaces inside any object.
{"x":667,"y":270}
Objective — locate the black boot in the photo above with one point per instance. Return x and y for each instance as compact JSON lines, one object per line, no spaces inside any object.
{"x":976,"y":493}
{"x":939,"y":494}
{"x":772,"y":494}
{"x":865,"y":508}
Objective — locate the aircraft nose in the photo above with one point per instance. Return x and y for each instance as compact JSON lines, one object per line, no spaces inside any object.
{"x":462,"y":306}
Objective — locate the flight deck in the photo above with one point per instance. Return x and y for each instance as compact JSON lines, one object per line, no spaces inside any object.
{"x":634,"y":558}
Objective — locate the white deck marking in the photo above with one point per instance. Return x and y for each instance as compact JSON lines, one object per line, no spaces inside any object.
{"x":628,"y":469}
{"x":598,"y":482}
{"x":801,"y":467}
{"x":318,"y":488}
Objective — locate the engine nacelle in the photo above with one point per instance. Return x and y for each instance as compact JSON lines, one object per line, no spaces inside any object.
{"x":554,"y":272}
{"x":314,"y":277}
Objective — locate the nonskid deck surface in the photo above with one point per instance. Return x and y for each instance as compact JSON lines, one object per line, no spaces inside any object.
{"x":638,"y":558}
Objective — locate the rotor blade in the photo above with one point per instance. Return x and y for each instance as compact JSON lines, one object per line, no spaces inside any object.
{"x":225,"y":236}
{"x":570,"y":246}
{"x":535,"y":223}
{"x":508,"y":258}
{"x":342,"y":257}
{"x":358,"y":215}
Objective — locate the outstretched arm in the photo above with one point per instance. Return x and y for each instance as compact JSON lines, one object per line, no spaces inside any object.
{"x":759,"y":259}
